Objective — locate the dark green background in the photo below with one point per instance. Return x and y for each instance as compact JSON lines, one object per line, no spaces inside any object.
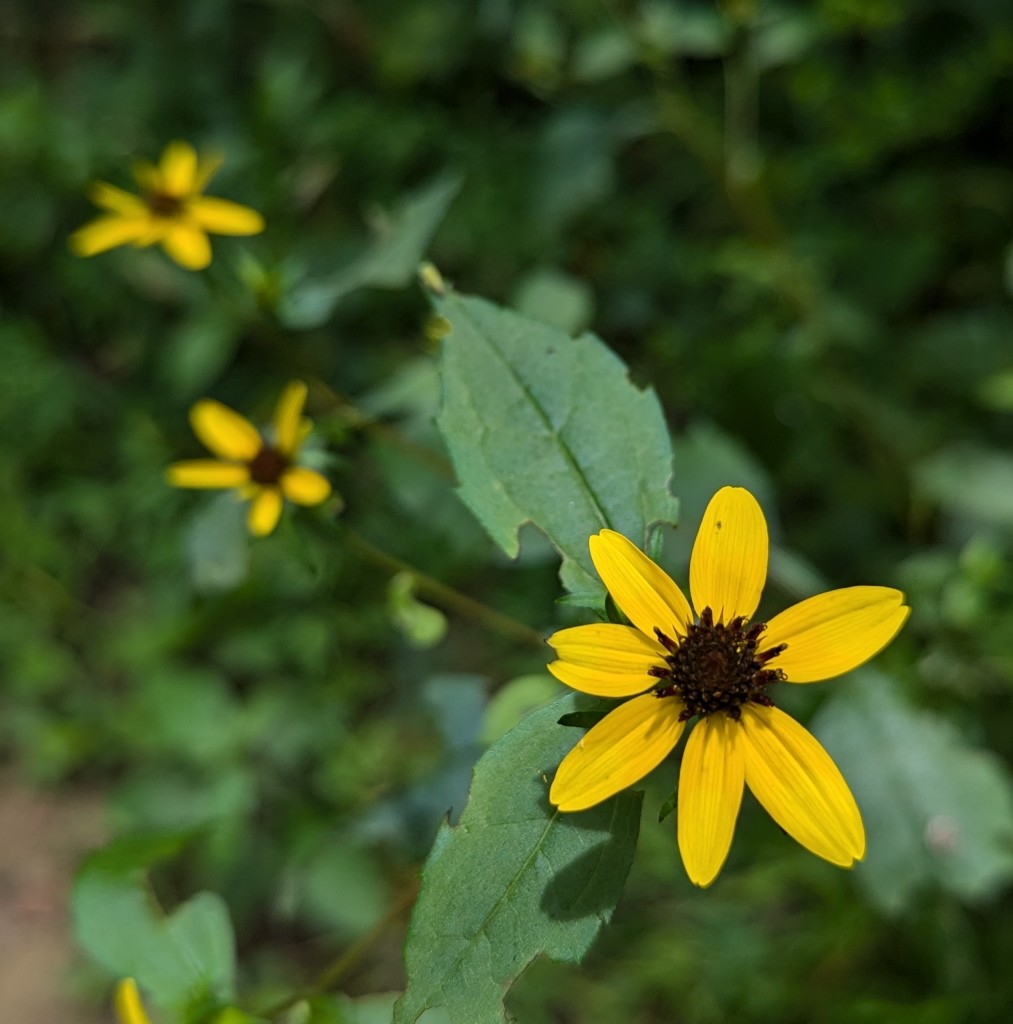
{"x":794,"y":221}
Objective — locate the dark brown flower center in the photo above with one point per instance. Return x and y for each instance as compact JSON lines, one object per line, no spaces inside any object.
{"x":162,"y":204}
{"x":268,"y":465}
{"x":716,"y":667}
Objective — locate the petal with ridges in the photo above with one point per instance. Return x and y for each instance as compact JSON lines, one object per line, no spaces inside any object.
{"x":305,"y":486}
{"x":107,"y":232}
{"x":800,"y":787}
{"x":188,"y":245}
{"x":224,"y":217}
{"x":116,"y":200}
{"x":605,"y":659}
{"x":287,"y":417}
{"x":710,"y":794}
{"x":207,"y":473}
{"x":127,"y":1003}
{"x":627,"y":744}
{"x":644,"y":591}
{"x":223,"y":431}
{"x":728,"y":566}
{"x":265,"y":511}
{"x":834,"y":632}
{"x":178,"y":169}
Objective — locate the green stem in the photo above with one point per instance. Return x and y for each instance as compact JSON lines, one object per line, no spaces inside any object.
{"x":349,"y":958}
{"x":356,"y":419}
{"x":440,"y":593}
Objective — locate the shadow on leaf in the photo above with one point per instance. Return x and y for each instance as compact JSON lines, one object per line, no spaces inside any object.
{"x":586,"y":886}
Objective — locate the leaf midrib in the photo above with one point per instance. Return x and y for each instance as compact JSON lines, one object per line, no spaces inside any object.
{"x":565,"y":449}
{"x":438,"y":983}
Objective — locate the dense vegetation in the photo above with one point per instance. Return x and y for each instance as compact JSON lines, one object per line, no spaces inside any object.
{"x":792,"y":221}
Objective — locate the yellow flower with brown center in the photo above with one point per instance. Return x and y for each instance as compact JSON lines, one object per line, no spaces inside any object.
{"x":173,"y":211}
{"x":127,"y":1003}
{"x":261,"y":467}
{"x":718,"y":667}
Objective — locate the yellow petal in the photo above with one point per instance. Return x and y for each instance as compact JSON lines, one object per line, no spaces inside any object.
{"x":224,"y":217}
{"x":834,"y":632}
{"x":644,"y":591}
{"x":155,"y":229}
{"x":187,"y":244}
{"x":107,"y":232}
{"x":287,"y":417}
{"x":116,"y":200}
{"x":305,"y":486}
{"x":178,"y":169}
{"x":127,"y":1003}
{"x":729,"y":563}
{"x":207,"y":473}
{"x":800,"y":787}
{"x":605,"y":659}
{"x":621,"y":749}
{"x":710,"y":794}
{"x":224,"y":432}
{"x":265,"y":511}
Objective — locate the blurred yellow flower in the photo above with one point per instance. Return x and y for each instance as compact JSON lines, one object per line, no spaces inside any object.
{"x":173,"y":211}
{"x":261,"y":467}
{"x":127,"y":1003}
{"x":717,"y":667}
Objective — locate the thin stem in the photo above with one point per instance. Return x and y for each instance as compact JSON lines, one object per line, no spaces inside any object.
{"x":356,"y":419}
{"x":349,"y":958}
{"x":439,"y":592}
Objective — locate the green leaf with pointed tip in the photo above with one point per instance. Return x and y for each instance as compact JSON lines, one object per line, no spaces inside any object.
{"x":548,"y":429}
{"x":937,"y":810}
{"x":513,"y":879}
{"x":390,"y":261}
{"x":180,"y":960}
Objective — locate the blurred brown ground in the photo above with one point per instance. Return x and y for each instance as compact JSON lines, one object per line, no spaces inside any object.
{"x":42,"y":839}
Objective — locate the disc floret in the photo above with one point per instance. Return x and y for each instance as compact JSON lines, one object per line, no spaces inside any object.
{"x":717,"y":667}
{"x":268,"y":466}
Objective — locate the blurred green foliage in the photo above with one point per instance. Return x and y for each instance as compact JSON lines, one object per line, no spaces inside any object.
{"x":794,"y":221}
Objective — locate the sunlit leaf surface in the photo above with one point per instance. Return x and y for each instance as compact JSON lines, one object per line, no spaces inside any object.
{"x":514,"y":878}
{"x":548,"y":429}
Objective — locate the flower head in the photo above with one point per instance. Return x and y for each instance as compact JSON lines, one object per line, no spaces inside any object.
{"x":720,"y":668}
{"x":127,"y":1003}
{"x":260,"y":466}
{"x":172,"y":211}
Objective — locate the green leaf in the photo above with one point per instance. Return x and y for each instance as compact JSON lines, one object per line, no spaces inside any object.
{"x":514,"y":879}
{"x":390,"y":261}
{"x":199,"y":350}
{"x":341,"y":1009}
{"x":342,"y":887}
{"x":936,"y":809}
{"x":582,"y":719}
{"x":422,"y":625}
{"x":555,"y":298}
{"x":548,"y":429}
{"x":180,"y":959}
{"x":514,"y":700}
{"x":217,"y":545}
{"x":969,"y":482}
{"x":202,"y":928}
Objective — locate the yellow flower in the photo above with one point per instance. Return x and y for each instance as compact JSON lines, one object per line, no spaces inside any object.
{"x":262,"y":468}
{"x":718,"y":667}
{"x":173,"y":211}
{"x":127,"y":1003}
